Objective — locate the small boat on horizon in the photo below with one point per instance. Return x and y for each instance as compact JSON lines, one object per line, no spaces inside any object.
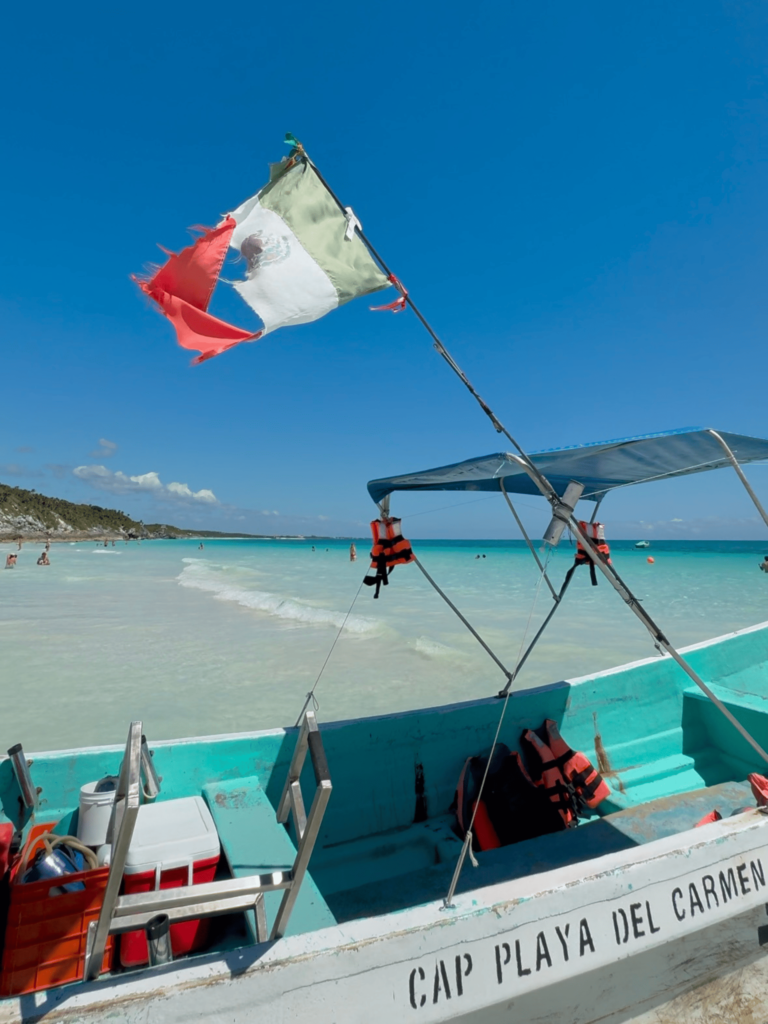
{"x":643,"y":544}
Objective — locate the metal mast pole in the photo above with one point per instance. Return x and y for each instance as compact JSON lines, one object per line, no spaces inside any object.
{"x":553,"y":498}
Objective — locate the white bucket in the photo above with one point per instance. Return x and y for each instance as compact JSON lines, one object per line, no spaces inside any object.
{"x":95,"y":812}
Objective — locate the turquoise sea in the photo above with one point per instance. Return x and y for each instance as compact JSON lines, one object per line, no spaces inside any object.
{"x":232,"y":637}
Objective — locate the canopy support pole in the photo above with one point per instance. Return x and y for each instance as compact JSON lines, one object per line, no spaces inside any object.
{"x":740,"y":473}
{"x":598,"y":503}
{"x":542,"y":627}
{"x":528,"y":541}
{"x":466,"y":622}
{"x":634,"y":605}
{"x":548,"y":491}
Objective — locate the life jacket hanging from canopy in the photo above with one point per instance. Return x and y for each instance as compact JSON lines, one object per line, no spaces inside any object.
{"x":390,"y":548}
{"x":568,"y":778}
{"x":596,"y":533}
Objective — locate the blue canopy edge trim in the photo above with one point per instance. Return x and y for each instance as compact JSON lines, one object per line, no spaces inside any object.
{"x":600,"y":466}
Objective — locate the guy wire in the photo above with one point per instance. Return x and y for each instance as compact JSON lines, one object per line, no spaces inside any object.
{"x":311,"y":694}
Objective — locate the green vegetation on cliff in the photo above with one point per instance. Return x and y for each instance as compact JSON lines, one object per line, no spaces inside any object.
{"x":21,"y":510}
{"x":162,"y":530}
{"x":23,"y":513}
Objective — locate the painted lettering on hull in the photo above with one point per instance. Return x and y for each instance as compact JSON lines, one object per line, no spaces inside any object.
{"x":563,"y":947}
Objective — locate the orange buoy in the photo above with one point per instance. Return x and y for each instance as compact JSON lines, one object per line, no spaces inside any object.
{"x":650,"y":560}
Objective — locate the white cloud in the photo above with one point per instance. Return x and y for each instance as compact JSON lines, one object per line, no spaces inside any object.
{"x":143,"y":483}
{"x":105,"y":450}
{"x":183,"y":491}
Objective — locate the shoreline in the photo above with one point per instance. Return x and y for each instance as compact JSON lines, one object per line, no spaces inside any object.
{"x":81,"y":536}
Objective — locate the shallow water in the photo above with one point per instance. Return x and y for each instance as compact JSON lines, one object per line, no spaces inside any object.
{"x":231,"y":638}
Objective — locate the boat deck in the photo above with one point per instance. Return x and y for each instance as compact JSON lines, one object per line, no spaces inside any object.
{"x":387,"y":842}
{"x":621,"y":830}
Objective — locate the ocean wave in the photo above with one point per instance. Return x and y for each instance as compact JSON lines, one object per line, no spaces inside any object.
{"x":198,"y":576}
{"x":433,"y":648}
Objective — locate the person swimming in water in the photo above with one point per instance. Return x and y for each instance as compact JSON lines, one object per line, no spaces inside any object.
{"x":10,"y":562}
{"x":352,"y":552}
{"x":43,"y":559}
{"x":764,"y":564}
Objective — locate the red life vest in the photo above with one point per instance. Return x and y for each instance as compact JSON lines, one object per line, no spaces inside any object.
{"x":567,"y":776}
{"x":759,"y":785}
{"x":709,"y":818}
{"x":390,"y":548}
{"x":596,"y":533}
{"x":511,"y":808}
{"x":549,"y":776}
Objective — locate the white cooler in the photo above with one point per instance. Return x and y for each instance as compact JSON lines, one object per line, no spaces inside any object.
{"x":174,"y":843}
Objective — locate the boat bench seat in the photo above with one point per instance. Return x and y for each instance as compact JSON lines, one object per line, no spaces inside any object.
{"x":254,"y":843}
{"x":708,"y":728}
{"x":731,"y":698}
{"x":622,"y":830}
{"x":660,"y":778}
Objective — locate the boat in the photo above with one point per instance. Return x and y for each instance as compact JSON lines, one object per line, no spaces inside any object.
{"x":344,"y":892}
{"x":643,"y":544}
{"x":320,"y":872}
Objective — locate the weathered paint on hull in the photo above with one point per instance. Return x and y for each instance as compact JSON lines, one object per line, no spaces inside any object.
{"x":642,"y":928}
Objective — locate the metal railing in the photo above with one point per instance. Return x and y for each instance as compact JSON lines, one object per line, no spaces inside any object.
{"x":127,"y":913}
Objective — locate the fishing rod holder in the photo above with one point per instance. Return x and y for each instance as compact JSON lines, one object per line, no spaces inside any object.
{"x":20,"y":766}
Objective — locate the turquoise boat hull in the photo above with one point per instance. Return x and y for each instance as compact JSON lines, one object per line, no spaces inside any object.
{"x":537,"y":929}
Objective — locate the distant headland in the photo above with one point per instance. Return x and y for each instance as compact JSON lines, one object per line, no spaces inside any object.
{"x":27,"y":515}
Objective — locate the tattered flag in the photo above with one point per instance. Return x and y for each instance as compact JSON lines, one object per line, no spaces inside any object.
{"x":183,"y":288}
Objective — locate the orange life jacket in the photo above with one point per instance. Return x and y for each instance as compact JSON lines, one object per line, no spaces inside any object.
{"x":567,"y":776}
{"x":390,"y":548}
{"x":759,"y":785}
{"x":596,"y":533}
{"x":709,"y":818}
{"x":485,"y":833}
{"x":551,"y":779}
{"x":589,"y":784}
{"x":490,"y":833}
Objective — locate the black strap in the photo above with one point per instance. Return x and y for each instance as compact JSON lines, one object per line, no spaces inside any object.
{"x":587,"y":789}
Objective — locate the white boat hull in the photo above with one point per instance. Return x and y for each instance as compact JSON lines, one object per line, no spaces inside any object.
{"x":648,"y":935}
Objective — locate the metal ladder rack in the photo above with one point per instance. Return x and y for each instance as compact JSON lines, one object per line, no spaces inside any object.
{"x":128,"y":913}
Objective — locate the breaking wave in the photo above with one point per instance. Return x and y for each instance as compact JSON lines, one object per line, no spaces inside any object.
{"x":199,"y":576}
{"x":432,"y":648}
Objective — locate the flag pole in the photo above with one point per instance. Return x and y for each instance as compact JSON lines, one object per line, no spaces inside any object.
{"x":544,"y":486}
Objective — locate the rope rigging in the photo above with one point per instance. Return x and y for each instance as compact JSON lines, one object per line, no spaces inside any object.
{"x":467,"y":846}
{"x":588,"y":543}
{"x":310,"y":698}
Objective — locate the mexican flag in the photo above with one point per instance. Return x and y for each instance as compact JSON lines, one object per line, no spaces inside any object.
{"x":302,"y":255}
{"x":302,"y":258}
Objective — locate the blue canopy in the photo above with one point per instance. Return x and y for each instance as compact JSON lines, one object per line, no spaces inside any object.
{"x":600,"y":466}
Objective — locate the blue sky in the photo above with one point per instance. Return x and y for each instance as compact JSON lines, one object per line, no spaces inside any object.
{"x":574,"y":194}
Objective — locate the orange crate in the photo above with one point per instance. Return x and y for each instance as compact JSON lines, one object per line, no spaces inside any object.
{"x":46,"y":935}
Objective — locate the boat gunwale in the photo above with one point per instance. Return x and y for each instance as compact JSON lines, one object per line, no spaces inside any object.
{"x":437,"y":708}
{"x":219,"y":968}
